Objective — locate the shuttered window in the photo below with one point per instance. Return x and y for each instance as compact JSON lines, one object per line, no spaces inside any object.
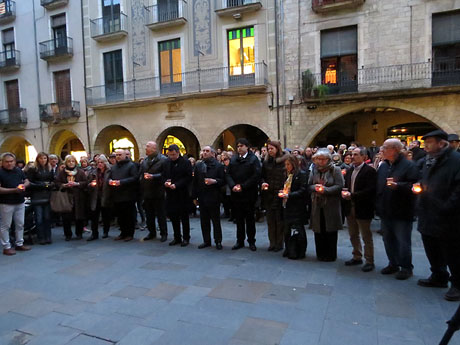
{"x":446,"y":28}
{"x":339,"y":42}
{"x":62,"y":86}
{"x":12,"y":94}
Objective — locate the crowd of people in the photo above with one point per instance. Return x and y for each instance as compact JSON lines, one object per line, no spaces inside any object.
{"x":321,"y":187}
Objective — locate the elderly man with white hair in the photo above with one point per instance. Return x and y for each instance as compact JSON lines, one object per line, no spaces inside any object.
{"x":395,"y":206}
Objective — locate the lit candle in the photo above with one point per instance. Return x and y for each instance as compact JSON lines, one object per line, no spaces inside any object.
{"x":345,"y":193}
{"x":93,"y":183}
{"x":319,"y":188}
{"x":281,"y":194}
{"x":390,"y":180}
{"x":113,"y":183}
{"x":21,"y":187}
{"x":344,"y":172}
{"x":265,"y":186}
{"x":416,"y":188}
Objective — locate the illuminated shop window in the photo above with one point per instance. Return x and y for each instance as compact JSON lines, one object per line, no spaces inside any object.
{"x":124,"y":144}
{"x":170,"y":140}
{"x":241,"y":51}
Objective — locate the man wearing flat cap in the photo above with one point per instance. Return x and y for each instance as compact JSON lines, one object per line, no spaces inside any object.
{"x":454,"y":141}
{"x":438,"y":216}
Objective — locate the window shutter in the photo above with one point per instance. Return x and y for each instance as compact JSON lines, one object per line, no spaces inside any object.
{"x":446,"y":28}
{"x":339,"y":42}
{"x":58,"y":20}
{"x":8,"y":36}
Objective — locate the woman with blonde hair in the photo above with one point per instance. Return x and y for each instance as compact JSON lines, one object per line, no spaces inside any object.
{"x":72,"y":180}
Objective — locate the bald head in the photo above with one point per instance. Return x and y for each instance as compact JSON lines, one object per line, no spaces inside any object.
{"x":207,"y":152}
{"x":151,"y":148}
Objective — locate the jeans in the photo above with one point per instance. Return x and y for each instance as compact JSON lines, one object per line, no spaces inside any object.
{"x":8,"y":213}
{"x":42,"y":214}
{"x":397,"y":240}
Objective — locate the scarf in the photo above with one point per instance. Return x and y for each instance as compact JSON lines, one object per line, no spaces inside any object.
{"x":287,"y":187}
{"x":71,"y":174}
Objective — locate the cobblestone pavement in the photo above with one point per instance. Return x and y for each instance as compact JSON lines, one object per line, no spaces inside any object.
{"x":136,"y":293}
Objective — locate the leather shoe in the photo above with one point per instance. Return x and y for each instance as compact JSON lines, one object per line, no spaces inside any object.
{"x":453,"y":294}
{"x":204,"y":245}
{"x":390,"y":269}
{"x":252,"y":247}
{"x":238,"y":246}
{"x":9,"y":251}
{"x":174,"y":242}
{"x":270,"y":249}
{"x":105,"y":235}
{"x":353,"y":262}
{"x":149,"y":237}
{"x":277,"y":249}
{"x":119,"y":238}
{"x":79,"y":237}
{"x":403,"y":274}
{"x":22,"y":248}
{"x":163,"y":238}
{"x":68,"y":238}
{"x":285,"y":253}
{"x":92,"y":238}
{"x":368,"y":267}
{"x":430,"y":282}
{"x":184,"y":243}
{"x":219,"y":246}
{"x":129,"y":238}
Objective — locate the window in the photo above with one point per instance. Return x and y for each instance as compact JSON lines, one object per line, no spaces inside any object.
{"x":12,"y":94}
{"x":8,"y":43}
{"x":241,"y":50}
{"x":58,"y":24}
{"x":339,"y":59}
{"x":170,"y":65}
{"x":111,"y":15}
{"x":62,"y":88}
{"x":168,"y":10}
{"x":113,"y":74}
{"x":446,"y":48}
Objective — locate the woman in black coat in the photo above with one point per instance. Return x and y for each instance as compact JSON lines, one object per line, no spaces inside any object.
{"x":294,"y":200}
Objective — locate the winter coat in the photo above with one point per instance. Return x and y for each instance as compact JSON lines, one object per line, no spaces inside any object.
{"x":41,"y":184}
{"x":78,"y":193}
{"x":99,"y":192}
{"x":153,"y":188}
{"x":180,"y":174}
{"x":273,"y":173}
{"x":208,"y":195}
{"x":126,"y":172}
{"x":295,"y":211}
{"x":438,"y":206}
{"x":329,"y":201}
{"x":246,"y":172}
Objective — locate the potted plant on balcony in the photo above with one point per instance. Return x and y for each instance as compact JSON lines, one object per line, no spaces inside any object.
{"x":320,"y":91}
{"x":308,"y":82}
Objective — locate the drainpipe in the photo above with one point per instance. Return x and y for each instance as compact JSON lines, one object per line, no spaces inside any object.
{"x":37,"y":71}
{"x":299,"y":76}
{"x":277,"y":75}
{"x":84,"y":78}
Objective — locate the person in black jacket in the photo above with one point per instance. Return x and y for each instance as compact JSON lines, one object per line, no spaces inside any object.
{"x":417,"y":152}
{"x":438,"y":213}
{"x":294,"y":195}
{"x":177,"y":173}
{"x":123,"y":179}
{"x":243,"y":177}
{"x":360,"y":184}
{"x":395,"y":206}
{"x":41,"y":180}
{"x":208,"y":178}
{"x":152,"y":186}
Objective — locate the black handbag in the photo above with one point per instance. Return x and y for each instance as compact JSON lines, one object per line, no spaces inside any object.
{"x":61,"y":201}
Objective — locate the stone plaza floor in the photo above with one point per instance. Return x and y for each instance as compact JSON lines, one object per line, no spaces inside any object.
{"x":136,"y":293}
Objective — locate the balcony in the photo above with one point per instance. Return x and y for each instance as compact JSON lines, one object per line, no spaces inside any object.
{"x":9,"y":61}
{"x":56,"y":49}
{"x":234,"y":8}
{"x":169,"y":14}
{"x":52,"y":4}
{"x":13,"y":118}
{"x":322,"y":6}
{"x":204,"y":82}
{"x":7,"y":12}
{"x":109,"y":28}
{"x":55,"y":112}
{"x":386,"y":81}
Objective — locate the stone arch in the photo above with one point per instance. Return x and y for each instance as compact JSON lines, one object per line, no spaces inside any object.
{"x":114,"y":132}
{"x":18,"y":145}
{"x":431,"y":115}
{"x":262,"y":127}
{"x":185,"y":135}
{"x":256,"y":136}
{"x":61,"y":142}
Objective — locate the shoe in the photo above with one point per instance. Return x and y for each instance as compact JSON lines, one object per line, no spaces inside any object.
{"x":68,"y":238}
{"x":353,"y":262}
{"x":42,"y":242}
{"x":92,"y":238}
{"x":163,"y":238}
{"x":403,"y":274}
{"x":105,"y":235}
{"x":238,"y":246}
{"x":285,"y":253}
{"x":22,"y":248}
{"x":219,"y":246}
{"x":252,"y":247}
{"x":430,"y":282}
{"x":149,"y":237}
{"x":79,"y":237}
{"x":389,"y":269}
{"x":129,"y":238}
{"x":204,"y":245}
{"x":368,"y":267}
{"x":230,"y":219}
{"x":49,"y":241}
{"x":9,"y":251}
{"x":184,"y":243}
{"x":452,"y":295}
{"x":174,"y":242}
{"x":270,"y":249}
{"x":277,"y":249}
{"x":119,"y":238}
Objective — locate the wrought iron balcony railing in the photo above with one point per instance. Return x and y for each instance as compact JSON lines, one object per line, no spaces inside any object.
{"x":56,"y":48}
{"x":7,"y":11}
{"x":52,"y":4}
{"x":109,"y":27}
{"x":9,"y":60}
{"x":202,"y":80}
{"x":332,"y":5}
{"x":231,"y":7}
{"x":168,"y":11}
{"x":13,"y":117}
{"x":386,"y":78}
{"x":55,"y":112}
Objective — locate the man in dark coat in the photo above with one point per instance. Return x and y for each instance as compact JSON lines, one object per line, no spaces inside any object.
{"x":438,"y":213}
{"x":417,"y":152}
{"x":152,"y":186}
{"x":123,"y":179}
{"x":372,"y":150}
{"x":360,"y":180}
{"x":243,"y":176}
{"x":395,"y":206}
{"x":208,"y":179}
{"x":454,"y":141}
{"x":177,"y":173}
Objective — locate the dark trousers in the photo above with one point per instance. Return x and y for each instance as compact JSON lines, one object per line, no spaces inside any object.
{"x":208,"y":214}
{"x":275,"y":227}
{"x":176,"y":219}
{"x":245,"y":221}
{"x":451,"y":249}
{"x":288,"y":227}
{"x":397,"y":238}
{"x":227,"y":204}
{"x":140,"y":210}
{"x":126,"y":211}
{"x":155,"y":208}
{"x":67,"y":219}
{"x":106,"y":219}
{"x":325,"y":242}
{"x":42,"y":214}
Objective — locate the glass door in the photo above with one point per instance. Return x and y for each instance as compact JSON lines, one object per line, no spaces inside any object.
{"x":111,"y":16}
{"x":170,"y":66}
{"x":113,"y":74}
{"x":241,"y":58}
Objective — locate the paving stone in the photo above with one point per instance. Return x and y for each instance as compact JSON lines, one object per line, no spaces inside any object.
{"x":191,"y":295}
{"x":83,"y":339}
{"x":157,"y":266}
{"x":131,"y":292}
{"x":57,"y":336}
{"x":398,"y":328}
{"x":165,"y":291}
{"x":319,"y":289}
{"x":208,"y":282}
{"x":260,"y":331}
{"x":354,"y":309}
{"x":339,"y":333}
{"x":10,"y":299}
{"x":82,"y":321}
{"x":142,"y":307}
{"x":36,"y":308}
{"x":11,"y":321}
{"x":240,"y":290}
{"x":15,"y":338}
{"x":44,"y":324}
{"x":141,"y":335}
{"x":284,"y":293}
{"x":113,"y":327}
{"x":394,"y":305}
{"x":295,"y":337}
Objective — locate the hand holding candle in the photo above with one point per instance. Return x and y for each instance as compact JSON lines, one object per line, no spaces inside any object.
{"x":168,"y":184}
{"x":93,"y":183}
{"x":21,"y":187}
{"x":346,"y":194}
{"x":416,"y":188}
{"x":319,"y":188}
{"x":114,"y":183}
{"x":148,"y":176}
{"x":344,"y":172}
{"x":264,"y":186}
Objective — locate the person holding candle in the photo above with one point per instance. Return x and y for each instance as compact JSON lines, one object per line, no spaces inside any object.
{"x":272,"y":181}
{"x":437,"y":211}
{"x":99,"y":197}
{"x":41,"y":183}
{"x":73,"y":180}
{"x":13,"y":184}
{"x":395,"y":207}
{"x":360,"y":182}
{"x":325,"y":185}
